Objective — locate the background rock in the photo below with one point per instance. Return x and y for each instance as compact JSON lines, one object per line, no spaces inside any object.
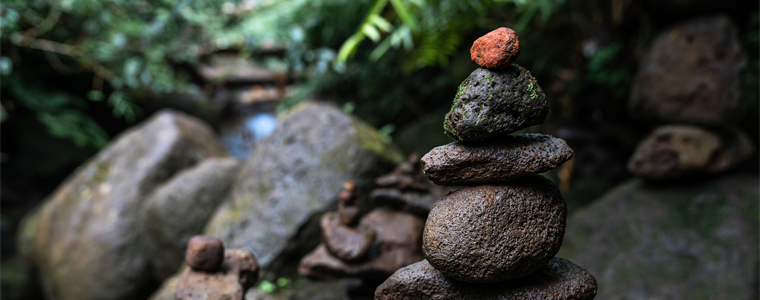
{"x":180,"y":208}
{"x":414,"y":202}
{"x":678,"y":151}
{"x":85,"y":241}
{"x":696,"y":240}
{"x":292,"y":178}
{"x":492,"y":233}
{"x":691,"y":74}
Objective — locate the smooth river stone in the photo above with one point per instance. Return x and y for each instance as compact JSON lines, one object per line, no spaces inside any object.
{"x":492,"y":103}
{"x":559,"y":279}
{"x":493,"y":233}
{"x":475,"y":163}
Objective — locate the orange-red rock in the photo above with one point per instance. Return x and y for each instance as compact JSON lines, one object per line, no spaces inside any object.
{"x":496,"y":50}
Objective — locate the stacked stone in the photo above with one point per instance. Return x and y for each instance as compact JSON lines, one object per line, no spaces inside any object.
{"x":215,"y":273}
{"x":689,"y":79}
{"x":497,"y":237}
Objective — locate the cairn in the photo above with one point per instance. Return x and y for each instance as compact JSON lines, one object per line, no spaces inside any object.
{"x":497,"y":237}
{"x":213,"y":272}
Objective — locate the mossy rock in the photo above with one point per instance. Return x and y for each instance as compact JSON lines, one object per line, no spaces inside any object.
{"x":492,"y":103}
{"x":292,"y":178}
{"x":695,"y":240}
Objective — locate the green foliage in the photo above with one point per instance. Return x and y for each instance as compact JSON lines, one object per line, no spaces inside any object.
{"x":61,"y":113}
{"x":138,"y":49}
{"x":604,"y":69}
{"x":437,"y":26}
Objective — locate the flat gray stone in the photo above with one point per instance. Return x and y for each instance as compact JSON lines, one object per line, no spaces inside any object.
{"x":510,"y":157}
{"x":558,"y":279}
{"x":492,"y":233}
{"x":492,"y":103}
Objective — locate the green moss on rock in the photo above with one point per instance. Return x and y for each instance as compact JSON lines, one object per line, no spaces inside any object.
{"x":491,"y":103}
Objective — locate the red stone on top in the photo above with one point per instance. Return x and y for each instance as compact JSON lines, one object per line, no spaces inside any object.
{"x":497,"y":49}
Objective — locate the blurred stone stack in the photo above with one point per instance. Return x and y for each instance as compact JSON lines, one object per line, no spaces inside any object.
{"x":497,"y":237}
{"x":215,"y":273}
{"x":371,"y":247}
{"x":689,"y":79}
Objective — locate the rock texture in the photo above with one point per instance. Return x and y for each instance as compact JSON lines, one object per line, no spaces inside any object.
{"x":488,"y":233}
{"x":396,"y":244}
{"x":239,"y":272}
{"x":511,"y":157}
{"x":691,"y":74}
{"x":180,"y":208}
{"x":558,"y":279}
{"x":85,"y":239}
{"x":492,"y":103}
{"x":678,"y":151}
{"x":693,"y":240}
{"x":289,"y":181}
{"x":496,"y":50}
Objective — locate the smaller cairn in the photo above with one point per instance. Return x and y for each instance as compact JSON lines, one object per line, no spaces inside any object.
{"x":211,"y":277}
{"x":700,"y":106}
{"x":405,"y":189}
{"x":372,"y":249}
{"x":497,"y":237}
{"x":339,"y":236}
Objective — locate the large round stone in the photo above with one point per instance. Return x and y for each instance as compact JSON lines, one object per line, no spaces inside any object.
{"x":492,"y":103}
{"x":493,"y":233}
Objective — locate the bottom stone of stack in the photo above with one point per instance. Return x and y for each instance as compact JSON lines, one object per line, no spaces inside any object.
{"x":558,"y":280}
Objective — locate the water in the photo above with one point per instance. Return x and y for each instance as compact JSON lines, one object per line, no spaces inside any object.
{"x":239,"y":135}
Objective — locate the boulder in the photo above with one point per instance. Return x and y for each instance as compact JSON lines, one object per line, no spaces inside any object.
{"x":180,"y":208}
{"x":497,"y":49}
{"x":558,"y":279}
{"x":514,"y":156}
{"x":492,"y":103}
{"x":289,"y":181}
{"x":692,"y":240}
{"x":396,"y":244}
{"x":85,"y":238}
{"x":691,"y":74}
{"x":681,"y":151}
{"x":492,"y":233}
{"x":238,"y":273}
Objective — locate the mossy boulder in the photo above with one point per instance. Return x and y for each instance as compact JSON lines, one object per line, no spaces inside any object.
{"x":292,"y":178}
{"x":84,"y":240}
{"x":492,"y":103}
{"x":695,"y":240}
